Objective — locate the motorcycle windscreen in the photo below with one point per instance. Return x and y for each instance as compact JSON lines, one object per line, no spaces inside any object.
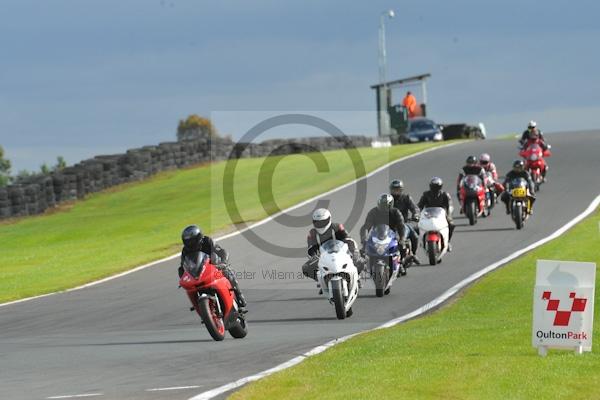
{"x":472,"y":182}
{"x":332,"y":246}
{"x":194,"y":263}
{"x":535,"y":152}
{"x":382,"y":231}
{"x":434,"y":212}
{"x":518,"y":183}
{"x":381,"y":240}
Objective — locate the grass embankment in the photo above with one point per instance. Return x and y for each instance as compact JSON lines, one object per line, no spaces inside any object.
{"x":113,"y":231}
{"x":479,"y":347}
{"x":508,"y":136}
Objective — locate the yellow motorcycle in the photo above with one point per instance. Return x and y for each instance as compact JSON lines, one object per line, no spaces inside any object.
{"x":520,"y":201}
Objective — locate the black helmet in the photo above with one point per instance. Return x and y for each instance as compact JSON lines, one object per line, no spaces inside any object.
{"x":435,"y":185}
{"x":518,"y":165}
{"x":396,"y":186}
{"x":191,"y":237}
{"x":385,"y":202}
{"x":471,"y":160}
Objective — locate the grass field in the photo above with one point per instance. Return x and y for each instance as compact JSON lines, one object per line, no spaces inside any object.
{"x":479,"y":347}
{"x":509,"y":136}
{"x":118,"y":229}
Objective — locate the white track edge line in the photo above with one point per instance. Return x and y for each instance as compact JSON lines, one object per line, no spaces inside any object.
{"x":161,"y":389}
{"x":232,"y":234}
{"x":71,"y":396}
{"x":421,"y":310}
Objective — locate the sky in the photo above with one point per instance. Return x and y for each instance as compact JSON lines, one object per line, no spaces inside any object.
{"x":82,"y":78}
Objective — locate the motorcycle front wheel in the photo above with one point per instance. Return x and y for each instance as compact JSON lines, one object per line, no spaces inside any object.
{"x":380,"y":279}
{"x":337,"y":293}
{"x":471,"y":211}
{"x":518,"y":215}
{"x":209,"y":314}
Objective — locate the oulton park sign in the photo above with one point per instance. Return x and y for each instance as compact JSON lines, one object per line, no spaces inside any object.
{"x":563,"y":306}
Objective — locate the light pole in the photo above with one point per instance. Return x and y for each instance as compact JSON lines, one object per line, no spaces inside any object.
{"x":383,"y":98}
{"x":382,"y":53}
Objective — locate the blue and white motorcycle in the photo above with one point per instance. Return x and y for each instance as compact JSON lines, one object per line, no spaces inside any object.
{"x":384,"y":258}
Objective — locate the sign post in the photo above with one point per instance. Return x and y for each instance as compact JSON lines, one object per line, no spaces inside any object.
{"x":563,"y":306}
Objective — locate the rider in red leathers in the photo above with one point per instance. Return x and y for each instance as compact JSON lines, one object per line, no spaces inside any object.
{"x":485,"y":161}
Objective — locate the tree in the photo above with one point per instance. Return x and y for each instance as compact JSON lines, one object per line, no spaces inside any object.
{"x":4,"y":168}
{"x":60,"y":164}
{"x":194,"y":127}
{"x":22,"y":174}
{"x":44,"y":169}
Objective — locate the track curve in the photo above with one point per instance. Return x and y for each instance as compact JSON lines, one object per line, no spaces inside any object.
{"x":127,"y":337}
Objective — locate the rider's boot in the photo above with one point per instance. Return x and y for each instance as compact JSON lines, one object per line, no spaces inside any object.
{"x":241,"y":300}
{"x":401,"y":269}
{"x":240,"y":297}
{"x":415,"y":260}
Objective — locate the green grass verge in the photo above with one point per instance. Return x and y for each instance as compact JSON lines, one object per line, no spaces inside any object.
{"x":113,"y":231}
{"x":479,"y":347}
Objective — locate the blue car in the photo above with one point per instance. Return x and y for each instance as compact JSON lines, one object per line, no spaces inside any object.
{"x":423,"y":129}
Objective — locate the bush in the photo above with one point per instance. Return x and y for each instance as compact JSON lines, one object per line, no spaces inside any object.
{"x":195,"y":126}
{"x":60,"y":164}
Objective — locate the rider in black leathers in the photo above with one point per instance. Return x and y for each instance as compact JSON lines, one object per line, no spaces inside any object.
{"x":386,"y":214}
{"x":404,"y":202}
{"x":435,"y":197}
{"x":194,"y":241}
{"x":518,"y":171}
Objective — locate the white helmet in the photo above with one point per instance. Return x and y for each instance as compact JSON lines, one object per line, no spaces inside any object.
{"x":321,"y":220}
{"x":532,"y":124}
{"x":485,"y":159}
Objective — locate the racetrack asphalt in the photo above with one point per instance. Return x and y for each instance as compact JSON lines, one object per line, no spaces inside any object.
{"x":127,"y":336}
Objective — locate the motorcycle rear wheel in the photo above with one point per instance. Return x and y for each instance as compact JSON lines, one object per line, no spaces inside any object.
{"x":432,"y":252}
{"x":240,"y":329}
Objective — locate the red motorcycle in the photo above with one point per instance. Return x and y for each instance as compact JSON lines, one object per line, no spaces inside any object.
{"x":212,"y":297}
{"x":534,"y":155}
{"x":472,"y":196}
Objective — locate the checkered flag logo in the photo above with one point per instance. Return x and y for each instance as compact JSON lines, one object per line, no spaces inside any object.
{"x":562,"y":317}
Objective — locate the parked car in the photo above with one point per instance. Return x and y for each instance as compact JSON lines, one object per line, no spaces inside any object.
{"x":423,"y":129}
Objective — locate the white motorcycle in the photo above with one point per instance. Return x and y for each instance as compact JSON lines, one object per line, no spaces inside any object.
{"x":338,"y":277}
{"x":434,"y":228}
